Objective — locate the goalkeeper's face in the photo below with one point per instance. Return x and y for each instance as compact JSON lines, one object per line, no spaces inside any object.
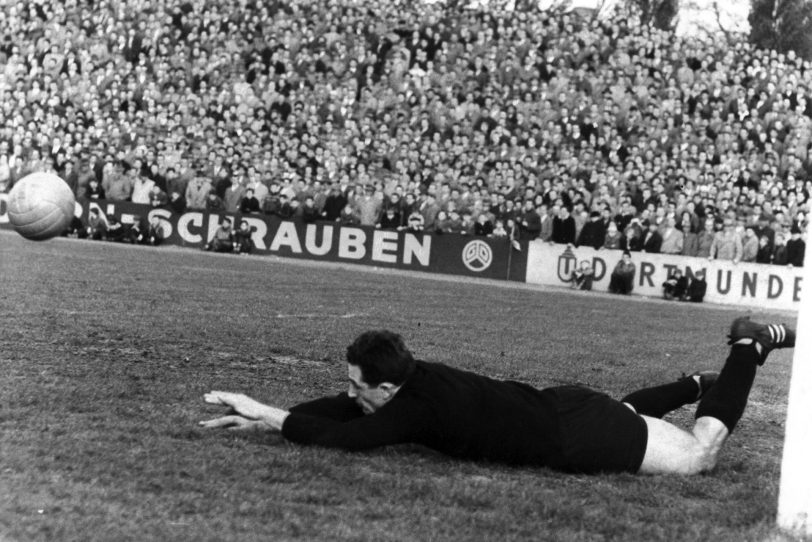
{"x":369,"y":398}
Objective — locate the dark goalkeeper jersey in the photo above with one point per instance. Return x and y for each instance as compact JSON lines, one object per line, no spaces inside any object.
{"x":455,"y":412}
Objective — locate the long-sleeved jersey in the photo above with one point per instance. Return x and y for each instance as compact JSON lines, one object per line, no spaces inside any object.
{"x":470,"y":416}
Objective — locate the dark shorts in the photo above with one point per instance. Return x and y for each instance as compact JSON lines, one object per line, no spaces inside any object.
{"x":598,"y":433}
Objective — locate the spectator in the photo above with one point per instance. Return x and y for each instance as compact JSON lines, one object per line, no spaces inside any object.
{"x":309,"y":212}
{"x":796,"y":247}
{"x":704,"y":240}
{"x":429,"y":209}
{"x":120,"y":184}
{"x":454,"y":224}
{"x":286,"y":209}
{"x":223,"y":239}
{"x":96,"y":224}
{"x":5,"y":172}
{"x":155,"y":232}
{"x":334,"y":203}
{"x":622,"y":279}
{"x":157,"y":197}
{"x":260,"y":190}
{"x":530,"y":225}
{"x":634,"y":236}
{"x":296,"y":210}
{"x":214,"y":204}
{"x":233,"y":195}
{"x":697,"y":288}
{"x":580,"y":216}
{"x":614,"y":240}
{"x":134,"y":231}
{"x":415,"y":222}
{"x":368,"y":207}
{"x":563,"y":227}
{"x":499,"y":230}
{"x":673,"y":239}
{"x":582,"y":276}
{"x":349,"y":217}
{"x":690,"y":243}
{"x":483,"y":226}
{"x":409,"y":206}
{"x":272,"y":202}
{"x":116,"y":231}
{"x":625,"y":216}
{"x":142,"y":187}
{"x":652,"y":240}
{"x":676,"y":286}
{"x":176,"y":203}
{"x":393,"y":202}
{"x":593,"y":233}
{"x":467,"y":225}
{"x":94,"y":190}
{"x":176,"y":183}
{"x":197,"y":192}
{"x":780,"y":254}
{"x":765,"y":251}
{"x":76,"y":229}
{"x":546,"y":220}
{"x":749,"y":245}
{"x":763,"y":229}
{"x":726,"y":244}
{"x":390,"y":220}
{"x":249,"y":203}
{"x":243,"y":242}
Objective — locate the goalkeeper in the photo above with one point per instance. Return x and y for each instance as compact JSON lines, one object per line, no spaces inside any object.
{"x":393,"y":399}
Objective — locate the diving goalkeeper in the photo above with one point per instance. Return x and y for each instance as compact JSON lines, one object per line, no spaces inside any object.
{"x":394,"y":399}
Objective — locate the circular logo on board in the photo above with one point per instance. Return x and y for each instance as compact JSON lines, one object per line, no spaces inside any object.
{"x":477,"y":256}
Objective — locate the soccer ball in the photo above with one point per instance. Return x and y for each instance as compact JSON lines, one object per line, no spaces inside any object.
{"x":40,"y":206}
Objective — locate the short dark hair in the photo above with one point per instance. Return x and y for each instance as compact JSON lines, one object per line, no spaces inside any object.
{"x":382,"y":356}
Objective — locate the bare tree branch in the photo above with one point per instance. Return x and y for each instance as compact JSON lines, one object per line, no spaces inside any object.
{"x":717,"y":14}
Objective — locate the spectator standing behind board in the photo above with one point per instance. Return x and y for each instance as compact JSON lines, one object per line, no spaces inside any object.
{"x":563,"y":227}
{"x":726,"y":244}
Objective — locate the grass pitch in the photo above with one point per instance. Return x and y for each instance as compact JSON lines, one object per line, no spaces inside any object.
{"x":106,"y":351}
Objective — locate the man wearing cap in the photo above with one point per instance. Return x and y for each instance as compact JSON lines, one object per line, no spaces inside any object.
{"x":796,"y":247}
{"x":762,"y":228}
{"x":392,"y":398}
{"x":593,"y":232}
{"x":197,"y":191}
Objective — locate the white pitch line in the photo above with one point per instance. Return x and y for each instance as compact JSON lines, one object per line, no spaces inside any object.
{"x":321,"y":315}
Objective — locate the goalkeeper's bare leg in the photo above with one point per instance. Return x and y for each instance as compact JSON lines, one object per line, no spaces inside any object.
{"x":671,"y":449}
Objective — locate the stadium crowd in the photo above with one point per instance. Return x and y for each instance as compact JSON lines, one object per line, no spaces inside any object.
{"x":399,"y":114}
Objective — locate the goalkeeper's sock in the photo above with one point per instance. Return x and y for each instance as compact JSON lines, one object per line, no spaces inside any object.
{"x":660,"y":400}
{"x":726,"y":400}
